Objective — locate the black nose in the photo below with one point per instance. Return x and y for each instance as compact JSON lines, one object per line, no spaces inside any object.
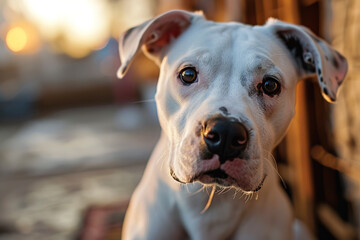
{"x":224,"y":136}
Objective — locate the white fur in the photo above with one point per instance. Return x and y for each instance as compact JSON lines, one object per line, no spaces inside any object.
{"x":228,"y":57}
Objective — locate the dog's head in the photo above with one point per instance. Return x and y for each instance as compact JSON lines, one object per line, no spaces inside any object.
{"x":226,"y":91}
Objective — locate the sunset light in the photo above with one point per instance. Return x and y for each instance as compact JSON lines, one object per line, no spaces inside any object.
{"x":22,"y":37}
{"x":16,"y":39}
{"x":78,"y":26}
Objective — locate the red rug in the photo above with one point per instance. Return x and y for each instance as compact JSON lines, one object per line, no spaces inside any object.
{"x":103,"y":222}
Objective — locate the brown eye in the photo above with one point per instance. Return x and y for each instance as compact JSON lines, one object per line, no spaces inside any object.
{"x":270,"y":86}
{"x":188,"y":75}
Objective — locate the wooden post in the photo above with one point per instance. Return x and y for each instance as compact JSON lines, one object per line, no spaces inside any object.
{"x":298,"y":155}
{"x":297,"y":139}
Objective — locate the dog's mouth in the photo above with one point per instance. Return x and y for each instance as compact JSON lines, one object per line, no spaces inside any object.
{"x":219,"y":177}
{"x":216,"y":174}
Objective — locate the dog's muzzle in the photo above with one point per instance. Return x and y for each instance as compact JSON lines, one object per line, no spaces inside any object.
{"x":223,"y":153}
{"x":173,"y":175}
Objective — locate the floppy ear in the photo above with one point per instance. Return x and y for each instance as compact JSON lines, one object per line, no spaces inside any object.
{"x":154,"y":36}
{"x":313,"y":56}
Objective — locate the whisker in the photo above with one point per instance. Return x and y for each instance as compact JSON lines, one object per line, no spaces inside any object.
{"x":210,"y":199}
{"x":227,"y":190}
{"x":246,"y":198}
{"x":273,"y":165}
{"x":161,"y":160}
{"x":236,"y":192}
{"x":143,"y":101}
{"x":279,"y":54}
{"x":223,"y":190}
{"x":187,"y":188}
{"x":197,"y":191}
{"x":242,"y":195}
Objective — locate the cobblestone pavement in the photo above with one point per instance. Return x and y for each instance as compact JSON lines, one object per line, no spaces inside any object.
{"x":53,"y":168}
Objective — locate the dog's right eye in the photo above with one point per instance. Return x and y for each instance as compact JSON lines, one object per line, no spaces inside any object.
{"x":271,"y":86}
{"x":188,"y":75}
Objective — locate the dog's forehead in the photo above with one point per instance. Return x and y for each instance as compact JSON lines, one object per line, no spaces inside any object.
{"x":224,"y":43}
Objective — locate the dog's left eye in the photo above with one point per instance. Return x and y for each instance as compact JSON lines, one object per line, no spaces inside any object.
{"x":270,"y":86}
{"x":188,"y":75}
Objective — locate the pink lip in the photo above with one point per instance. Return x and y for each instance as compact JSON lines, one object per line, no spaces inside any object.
{"x":208,"y":164}
{"x":233,"y":168}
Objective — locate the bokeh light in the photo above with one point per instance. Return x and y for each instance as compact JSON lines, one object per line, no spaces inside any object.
{"x":22,"y":37}
{"x":76,"y":26}
{"x":16,"y":39}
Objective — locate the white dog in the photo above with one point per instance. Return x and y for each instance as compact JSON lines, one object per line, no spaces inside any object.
{"x":225,"y":98}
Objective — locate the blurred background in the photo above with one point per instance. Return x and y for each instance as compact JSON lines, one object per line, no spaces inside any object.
{"x":74,"y":140}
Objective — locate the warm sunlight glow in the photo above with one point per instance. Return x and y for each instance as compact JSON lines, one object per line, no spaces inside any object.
{"x":16,"y":39}
{"x":22,"y":37}
{"x":80,"y":25}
